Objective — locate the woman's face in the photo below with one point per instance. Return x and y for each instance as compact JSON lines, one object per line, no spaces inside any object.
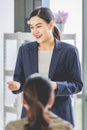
{"x":41,"y":30}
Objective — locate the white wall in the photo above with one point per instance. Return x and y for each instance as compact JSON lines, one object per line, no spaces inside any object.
{"x":6,"y":26}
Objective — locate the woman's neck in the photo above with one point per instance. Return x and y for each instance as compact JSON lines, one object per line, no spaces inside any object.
{"x":49,"y":45}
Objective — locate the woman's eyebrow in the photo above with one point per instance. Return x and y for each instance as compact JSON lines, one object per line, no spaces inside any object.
{"x":36,"y":24}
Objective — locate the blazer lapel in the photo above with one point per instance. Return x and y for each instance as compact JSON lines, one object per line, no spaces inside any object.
{"x":55,"y":58}
{"x":34,"y":58}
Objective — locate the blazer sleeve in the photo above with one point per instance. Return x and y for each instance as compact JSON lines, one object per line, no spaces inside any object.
{"x":19,"y":71}
{"x":74,"y":84}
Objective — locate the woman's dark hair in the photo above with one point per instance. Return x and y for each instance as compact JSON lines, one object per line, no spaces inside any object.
{"x":47,"y":15}
{"x":37,"y":93}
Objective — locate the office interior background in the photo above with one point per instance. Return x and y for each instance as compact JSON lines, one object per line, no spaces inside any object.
{"x":13,"y":18}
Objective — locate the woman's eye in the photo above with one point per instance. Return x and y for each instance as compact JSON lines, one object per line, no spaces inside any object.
{"x":38,"y":26}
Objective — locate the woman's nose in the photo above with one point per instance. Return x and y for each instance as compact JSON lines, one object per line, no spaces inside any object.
{"x":35,"y":31}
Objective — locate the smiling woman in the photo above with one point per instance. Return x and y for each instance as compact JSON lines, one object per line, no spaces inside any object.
{"x":40,"y":30}
{"x":65,"y":80}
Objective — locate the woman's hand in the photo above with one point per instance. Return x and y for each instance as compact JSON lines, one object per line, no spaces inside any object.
{"x":54,"y":85}
{"x":13,"y":85}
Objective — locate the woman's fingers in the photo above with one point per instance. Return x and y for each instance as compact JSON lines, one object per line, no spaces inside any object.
{"x":13,"y":85}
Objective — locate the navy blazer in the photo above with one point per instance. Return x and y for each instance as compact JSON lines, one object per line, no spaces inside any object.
{"x":64,"y":69}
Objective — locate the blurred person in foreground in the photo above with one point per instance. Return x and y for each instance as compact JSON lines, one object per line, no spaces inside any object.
{"x":38,"y":97}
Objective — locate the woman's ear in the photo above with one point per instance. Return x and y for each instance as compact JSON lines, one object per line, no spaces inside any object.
{"x":51,"y":24}
{"x":25,"y":103}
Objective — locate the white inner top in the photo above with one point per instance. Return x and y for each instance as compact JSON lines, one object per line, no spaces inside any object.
{"x":44,"y":59}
